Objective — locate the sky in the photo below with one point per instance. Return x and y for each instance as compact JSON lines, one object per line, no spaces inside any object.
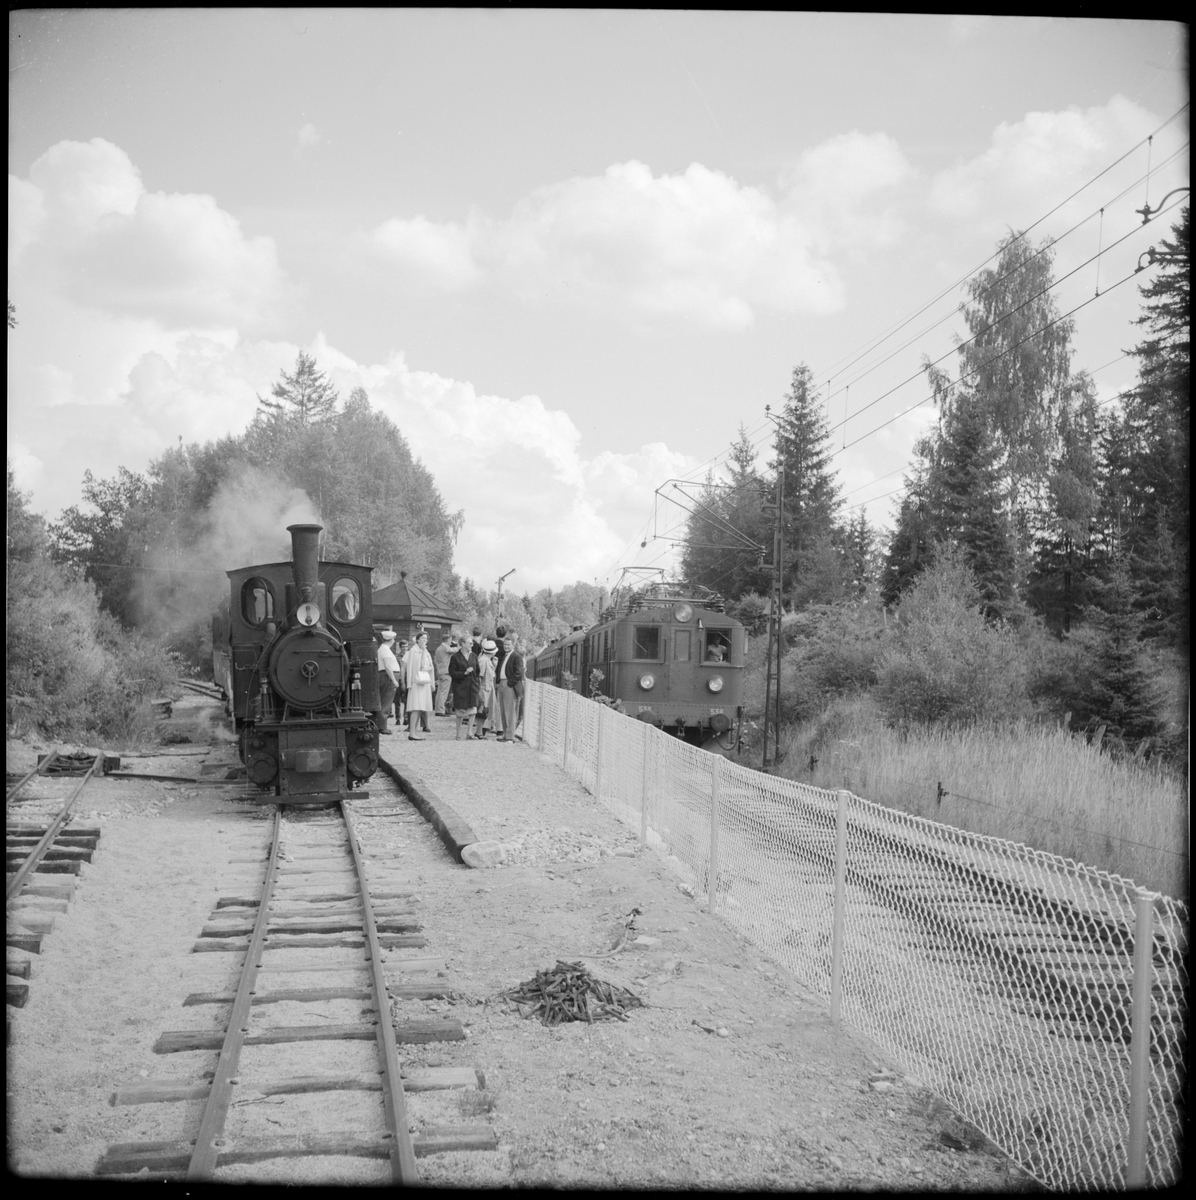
{"x":569,"y":253}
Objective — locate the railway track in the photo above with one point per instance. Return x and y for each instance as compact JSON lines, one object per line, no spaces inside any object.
{"x":1059,"y":955}
{"x":312,"y":1033}
{"x":35,"y":849}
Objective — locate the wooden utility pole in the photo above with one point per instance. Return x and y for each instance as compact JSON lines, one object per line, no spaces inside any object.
{"x":502,"y":579}
{"x":772,"y":697}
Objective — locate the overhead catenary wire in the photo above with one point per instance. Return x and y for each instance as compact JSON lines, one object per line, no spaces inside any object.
{"x":1000,"y":320}
{"x":1051,"y":245}
{"x":1084,"y":304}
{"x":847,"y":361}
{"x":854,"y":356}
{"x":906,"y":466}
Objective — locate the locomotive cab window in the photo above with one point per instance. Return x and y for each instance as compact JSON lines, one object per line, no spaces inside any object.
{"x":346,"y":600}
{"x":257,"y":601}
{"x":681,"y":645}
{"x":718,"y":645}
{"x":645,"y":644}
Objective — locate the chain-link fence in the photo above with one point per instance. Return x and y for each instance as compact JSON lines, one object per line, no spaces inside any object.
{"x":1045,"y":1000}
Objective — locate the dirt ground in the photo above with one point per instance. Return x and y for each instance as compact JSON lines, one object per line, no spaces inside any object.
{"x":732,"y":1076}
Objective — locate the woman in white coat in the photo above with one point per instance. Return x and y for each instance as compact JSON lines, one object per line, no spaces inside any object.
{"x":418,"y":676}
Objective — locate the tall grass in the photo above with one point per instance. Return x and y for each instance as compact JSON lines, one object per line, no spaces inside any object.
{"x":1028,"y":783}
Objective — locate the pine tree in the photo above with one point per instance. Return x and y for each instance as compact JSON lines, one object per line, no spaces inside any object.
{"x":911,"y":548}
{"x":727,"y":514}
{"x":304,"y":396}
{"x":966,"y":504}
{"x":1160,"y":408}
{"x":860,"y":549}
{"x":811,"y":488}
{"x":1121,"y":687}
{"x":1059,"y":587}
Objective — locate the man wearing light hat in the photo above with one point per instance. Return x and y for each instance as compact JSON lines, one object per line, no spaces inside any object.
{"x":388,"y":679}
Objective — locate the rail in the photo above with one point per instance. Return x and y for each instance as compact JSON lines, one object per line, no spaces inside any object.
{"x":1043,"y":999}
{"x":17,"y":882}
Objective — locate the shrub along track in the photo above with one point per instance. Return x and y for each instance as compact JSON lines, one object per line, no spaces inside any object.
{"x":315,"y":904}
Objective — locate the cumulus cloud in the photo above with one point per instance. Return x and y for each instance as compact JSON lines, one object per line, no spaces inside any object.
{"x":837,"y":188}
{"x":1044,"y":155}
{"x":26,"y":212}
{"x":177,"y":259}
{"x":697,"y":246}
{"x":531,"y":498}
{"x":440,"y":255}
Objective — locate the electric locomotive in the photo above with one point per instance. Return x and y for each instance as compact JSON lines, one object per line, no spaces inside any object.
{"x":669,"y":654}
{"x":293,"y":649}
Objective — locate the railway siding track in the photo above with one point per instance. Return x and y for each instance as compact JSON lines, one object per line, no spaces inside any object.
{"x":1045,"y":945}
{"x":311,"y":1027}
{"x":34,"y":849}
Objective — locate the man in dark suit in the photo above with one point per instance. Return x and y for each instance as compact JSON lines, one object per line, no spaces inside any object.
{"x":508,"y":679}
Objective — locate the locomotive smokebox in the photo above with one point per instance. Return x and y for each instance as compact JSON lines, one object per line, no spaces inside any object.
{"x":305,"y":547}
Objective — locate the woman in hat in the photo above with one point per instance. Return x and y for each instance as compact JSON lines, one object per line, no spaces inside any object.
{"x":486,"y":703}
{"x":463,"y":670}
{"x":418,"y":673}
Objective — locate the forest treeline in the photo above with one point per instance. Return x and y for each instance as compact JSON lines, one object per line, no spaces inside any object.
{"x":137,"y":568}
{"x":1039,"y":560}
{"x":1039,"y":563}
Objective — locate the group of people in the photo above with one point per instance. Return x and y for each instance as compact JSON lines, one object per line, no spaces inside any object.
{"x":476,"y":679}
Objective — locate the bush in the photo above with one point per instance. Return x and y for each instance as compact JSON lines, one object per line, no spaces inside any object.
{"x":752,"y":610}
{"x":945,"y":664}
{"x":71,"y":671}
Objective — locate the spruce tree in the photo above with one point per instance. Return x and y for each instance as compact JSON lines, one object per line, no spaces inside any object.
{"x":811,"y":487}
{"x":727,"y":515}
{"x":1159,"y":411}
{"x":304,"y":396}
{"x":1122,"y":689}
{"x":911,"y":548}
{"x":1064,"y":563}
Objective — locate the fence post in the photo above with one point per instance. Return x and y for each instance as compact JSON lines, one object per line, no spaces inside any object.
{"x":712,"y":878}
{"x":644,"y":785}
{"x":841,"y":797}
{"x":1135,"y":1165}
{"x":598,"y":756}
{"x":565,"y":745}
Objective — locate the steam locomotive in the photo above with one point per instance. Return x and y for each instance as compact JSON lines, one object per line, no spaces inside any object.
{"x":669,"y":654}
{"x":293,"y":650}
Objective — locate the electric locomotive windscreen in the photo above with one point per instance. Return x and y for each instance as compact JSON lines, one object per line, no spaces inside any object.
{"x":718,"y":645}
{"x":646,"y":644}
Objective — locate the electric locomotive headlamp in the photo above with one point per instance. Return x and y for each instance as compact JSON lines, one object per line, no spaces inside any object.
{"x":647,"y":682}
{"x":307,"y":614}
{"x":715,"y":684}
{"x":684,"y":612}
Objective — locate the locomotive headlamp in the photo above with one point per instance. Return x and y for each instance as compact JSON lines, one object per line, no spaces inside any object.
{"x":647,"y":682}
{"x":715,"y":683}
{"x":307,"y":614}
{"x":683,"y":612}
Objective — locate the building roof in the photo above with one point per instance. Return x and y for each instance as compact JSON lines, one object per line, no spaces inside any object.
{"x":406,"y":601}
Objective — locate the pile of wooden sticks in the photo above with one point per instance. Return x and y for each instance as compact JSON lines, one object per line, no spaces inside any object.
{"x":568,"y":992}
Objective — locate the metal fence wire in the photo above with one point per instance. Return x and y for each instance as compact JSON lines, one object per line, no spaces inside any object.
{"x":1044,"y":1000}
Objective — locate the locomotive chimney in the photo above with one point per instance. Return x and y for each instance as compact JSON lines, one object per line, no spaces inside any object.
{"x":305,"y":546}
